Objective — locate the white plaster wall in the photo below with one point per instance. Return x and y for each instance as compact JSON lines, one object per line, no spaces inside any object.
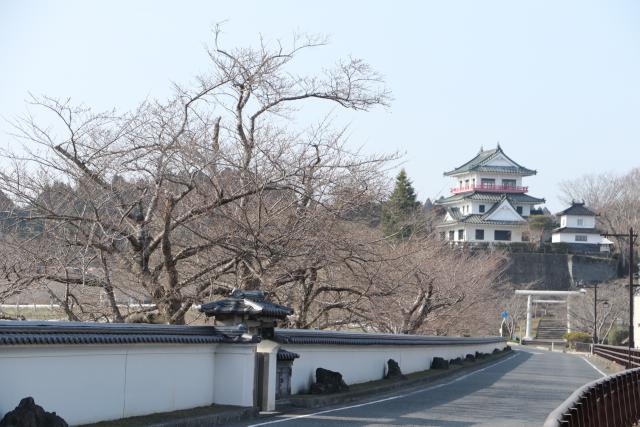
{"x":361,"y":363}
{"x":479,"y":176}
{"x":516,"y":233}
{"x":572,"y":221}
{"x":235,"y":372}
{"x":91,"y":383}
{"x":498,"y":178}
{"x":470,"y":232}
{"x":571,"y":238}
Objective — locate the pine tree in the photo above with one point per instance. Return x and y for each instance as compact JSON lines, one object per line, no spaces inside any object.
{"x":399,"y":211}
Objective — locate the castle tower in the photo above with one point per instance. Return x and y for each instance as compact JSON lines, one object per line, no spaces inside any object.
{"x":489,"y":202}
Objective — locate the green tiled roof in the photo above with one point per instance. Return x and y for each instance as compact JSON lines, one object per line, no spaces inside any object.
{"x":490,"y":197}
{"x":479,"y":164}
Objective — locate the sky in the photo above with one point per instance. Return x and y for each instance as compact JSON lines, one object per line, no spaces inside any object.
{"x":556,"y":83}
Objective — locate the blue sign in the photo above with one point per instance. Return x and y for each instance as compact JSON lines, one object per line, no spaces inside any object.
{"x":504,"y":314}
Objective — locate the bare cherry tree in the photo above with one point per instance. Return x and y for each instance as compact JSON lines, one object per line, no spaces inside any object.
{"x":182,"y":199}
{"x":429,"y":286}
{"x":612,"y":308}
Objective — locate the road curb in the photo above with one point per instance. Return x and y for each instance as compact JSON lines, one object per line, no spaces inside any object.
{"x":317,"y":401}
{"x":172,"y":419}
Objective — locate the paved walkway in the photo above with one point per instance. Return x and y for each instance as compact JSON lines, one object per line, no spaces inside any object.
{"x":519,"y":390}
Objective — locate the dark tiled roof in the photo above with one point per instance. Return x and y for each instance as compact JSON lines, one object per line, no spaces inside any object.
{"x":246,"y":302}
{"x":577,"y":209}
{"x":480,"y":219}
{"x":454,"y":213}
{"x":35,"y":332}
{"x":577,"y":230}
{"x":286,"y":355}
{"x":496,"y":205}
{"x":309,"y":336}
{"x":491,"y":197}
{"x":483,"y":218}
{"x":478,"y":163}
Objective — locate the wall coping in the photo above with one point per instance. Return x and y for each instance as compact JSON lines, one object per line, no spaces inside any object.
{"x":16,"y":332}
{"x":310,"y":336}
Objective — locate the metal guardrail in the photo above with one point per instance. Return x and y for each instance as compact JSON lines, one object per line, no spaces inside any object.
{"x":630,"y":358}
{"x":610,"y":401}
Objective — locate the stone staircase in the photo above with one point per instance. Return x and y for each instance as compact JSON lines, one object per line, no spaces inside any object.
{"x":551,"y":330}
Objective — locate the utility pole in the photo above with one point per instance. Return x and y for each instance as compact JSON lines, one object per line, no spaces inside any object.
{"x":581,"y":284}
{"x":595,"y":313}
{"x":632,"y":238}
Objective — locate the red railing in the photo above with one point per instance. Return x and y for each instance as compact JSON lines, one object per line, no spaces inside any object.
{"x":490,"y":187}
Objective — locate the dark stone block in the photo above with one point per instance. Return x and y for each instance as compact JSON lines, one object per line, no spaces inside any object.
{"x":393,"y":370}
{"x":439,"y":363}
{"x":328,"y":382}
{"x":480,"y":355}
{"x":496,"y":350}
{"x":28,"y":414}
{"x":470,"y":358}
{"x":507,"y":348}
{"x":456,"y":361}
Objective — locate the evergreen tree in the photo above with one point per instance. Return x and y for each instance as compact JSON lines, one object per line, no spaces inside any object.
{"x":399,"y":211}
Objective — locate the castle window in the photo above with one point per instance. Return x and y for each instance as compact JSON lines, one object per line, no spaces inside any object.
{"x":488,"y":181}
{"x":580,"y":221}
{"x":443,"y":235}
{"x":452,"y":235}
{"x":509,"y":182}
{"x":479,"y":234}
{"x":581,"y":237}
{"x":519,"y":209}
{"x":481,"y":208}
{"x":502,"y":235}
{"x":460,"y":234}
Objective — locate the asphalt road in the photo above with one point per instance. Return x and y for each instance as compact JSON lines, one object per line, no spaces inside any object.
{"x":519,"y":390}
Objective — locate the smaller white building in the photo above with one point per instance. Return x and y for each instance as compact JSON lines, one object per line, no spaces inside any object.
{"x":578,"y":230}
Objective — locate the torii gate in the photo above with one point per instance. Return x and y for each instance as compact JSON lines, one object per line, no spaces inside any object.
{"x":531,"y":293}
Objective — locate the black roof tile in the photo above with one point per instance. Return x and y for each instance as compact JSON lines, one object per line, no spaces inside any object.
{"x":286,"y":355}
{"x":246,"y":302}
{"x":577,"y":209}
{"x":310,"y":336}
{"x":576,"y":230}
{"x":37,"y":332}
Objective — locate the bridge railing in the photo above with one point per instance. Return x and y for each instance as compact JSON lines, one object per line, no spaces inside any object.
{"x":624,"y":356}
{"x":609,"y":401}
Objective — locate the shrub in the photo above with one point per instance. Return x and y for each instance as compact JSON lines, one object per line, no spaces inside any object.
{"x":574,"y":337}
{"x":617,"y":335}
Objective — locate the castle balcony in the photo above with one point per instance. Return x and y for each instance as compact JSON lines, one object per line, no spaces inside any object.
{"x":490,"y":188}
